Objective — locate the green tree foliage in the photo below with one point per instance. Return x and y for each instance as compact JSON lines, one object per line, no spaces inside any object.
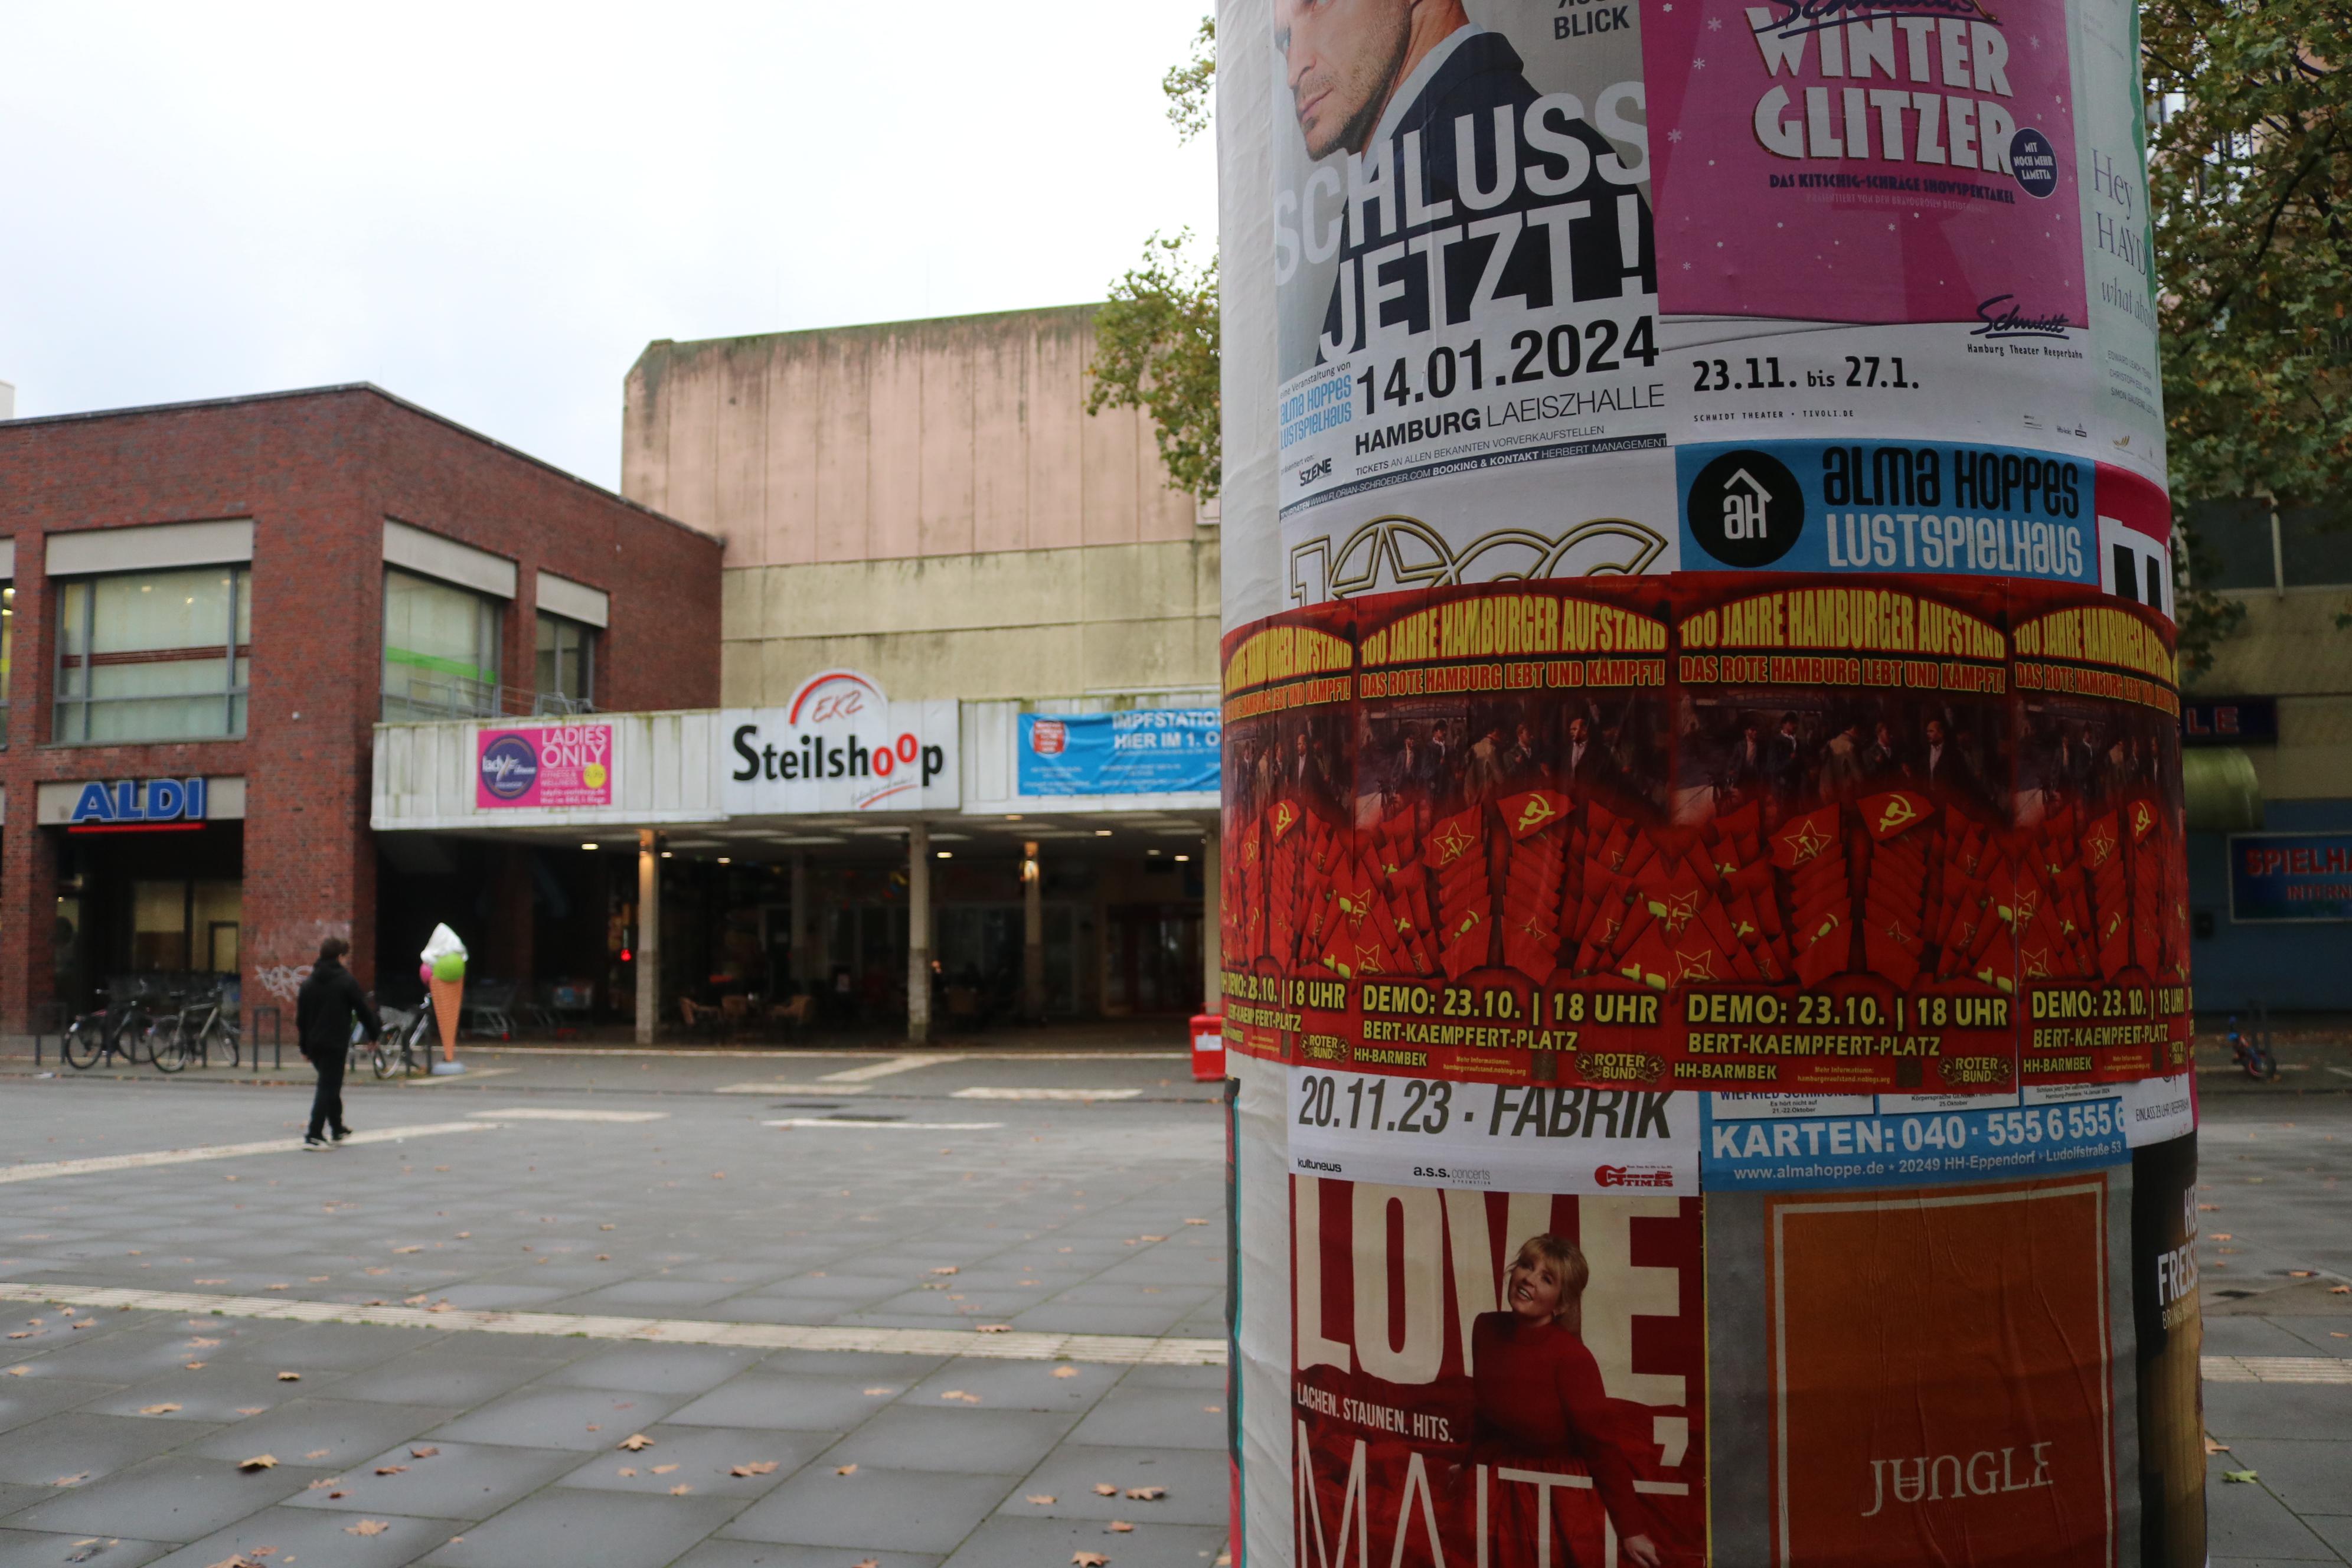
{"x":2250,"y":177}
{"x":1156,"y":343}
{"x":1156,"y":349}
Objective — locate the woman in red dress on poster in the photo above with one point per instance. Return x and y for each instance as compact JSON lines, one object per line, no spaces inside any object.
{"x":1540,"y":1402}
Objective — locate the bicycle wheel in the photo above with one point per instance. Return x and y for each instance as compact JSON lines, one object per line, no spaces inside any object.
{"x":83,"y":1041}
{"x":168,"y":1049}
{"x":221,"y":1041}
{"x":137,"y":1040}
{"x":381,"y":1059}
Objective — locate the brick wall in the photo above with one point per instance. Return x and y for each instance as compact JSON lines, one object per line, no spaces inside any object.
{"x":318,"y":473}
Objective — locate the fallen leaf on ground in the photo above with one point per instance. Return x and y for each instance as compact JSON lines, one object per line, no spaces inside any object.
{"x":318,"y":1453}
{"x":1151,"y":1238}
{"x":604,"y":1228}
{"x":1196,"y":1222}
{"x":2301,"y":1273}
{"x":629,"y":1469}
{"x":1040,"y":1498}
{"x":2240,"y":1476}
{"x":425,"y":1453}
{"x":157,"y":1409}
{"x":867,"y":1562}
{"x":439,"y":1307}
{"x":392,"y":1469}
{"x":603,"y":1258}
{"x":251,"y":1409}
{"x":289,"y":1377}
{"x":75,"y":1480}
{"x":1066,"y":1372}
{"x":1147,"y":1494}
{"x":1118,"y":1527}
{"x":635,"y":1441}
{"x":1089,"y":1559}
{"x":2213,"y":1448}
{"x":846,"y":1470}
{"x":2221,"y":1235}
{"x":756,"y":1467}
{"x":994,"y":1328}
{"x":680,"y":1490}
{"x":1104,"y":1488}
{"x":258,"y":1462}
{"x":945,"y":1268}
{"x":2340,"y":1289}
{"x":277,"y":1287}
{"x":200,"y":1343}
{"x":664,"y":1469}
{"x":368,"y":1527}
{"x":196,"y":1366}
{"x":959,"y":1393}
{"x":21,"y":1371}
{"x":878,"y":1392}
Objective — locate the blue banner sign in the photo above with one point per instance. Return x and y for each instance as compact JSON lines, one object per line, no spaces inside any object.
{"x":1887,"y":1143}
{"x":1145,"y":750}
{"x":140,"y":801}
{"x":2282,"y":878}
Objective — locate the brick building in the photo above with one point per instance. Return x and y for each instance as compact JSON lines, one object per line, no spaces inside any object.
{"x":208,"y":607}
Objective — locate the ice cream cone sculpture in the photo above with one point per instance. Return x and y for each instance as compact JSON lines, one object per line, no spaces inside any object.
{"x":445,"y":973}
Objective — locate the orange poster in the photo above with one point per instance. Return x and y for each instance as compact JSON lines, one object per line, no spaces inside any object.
{"x":1940,"y":1377}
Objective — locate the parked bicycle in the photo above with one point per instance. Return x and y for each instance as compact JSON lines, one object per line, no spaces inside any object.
{"x":406,"y":1046}
{"x":197,"y":1033}
{"x":123,"y":1030}
{"x":2252,"y":1052}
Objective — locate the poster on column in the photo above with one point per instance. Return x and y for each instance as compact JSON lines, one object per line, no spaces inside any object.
{"x":1516,"y":1379}
{"x":1466,"y":293}
{"x":2099,"y":898}
{"x":1942,"y":1372}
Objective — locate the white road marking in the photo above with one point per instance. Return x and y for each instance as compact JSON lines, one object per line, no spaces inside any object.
{"x":885,"y":1126}
{"x":889,"y":1068}
{"x":1045,"y":1094}
{"x":550,"y":1113}
{"x":780,"y":1086}
{"x":471,"y":1075}
{"x":2275,"y":1369}
{"x":49,"y":1168}
{"x":2345,"y":1072}
{"x":1116,"y":1350}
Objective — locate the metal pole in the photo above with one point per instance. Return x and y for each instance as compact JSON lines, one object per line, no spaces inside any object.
{"x":1032,"y":934}
{"x":1212,"y":984}
{"x":648,"y":935}
{"x":800,"y":920}
{"x":919,"y":934}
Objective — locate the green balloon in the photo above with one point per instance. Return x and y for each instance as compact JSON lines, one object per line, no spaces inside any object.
{"x":449,"y":966}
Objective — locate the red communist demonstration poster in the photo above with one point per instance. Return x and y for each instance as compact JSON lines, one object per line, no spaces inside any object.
{"x":1702,"y":904}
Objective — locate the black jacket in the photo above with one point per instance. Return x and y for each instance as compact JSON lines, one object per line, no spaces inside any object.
{"x":324,"y":1007}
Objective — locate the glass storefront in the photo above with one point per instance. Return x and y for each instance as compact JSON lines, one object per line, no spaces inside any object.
{"x":165,"y":909}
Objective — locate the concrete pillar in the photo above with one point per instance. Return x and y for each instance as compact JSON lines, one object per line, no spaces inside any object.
{"x":648,"y":935}
{"x":1032,"y":934}
{"x":919,"y":934}
{"x":1213,"y":904}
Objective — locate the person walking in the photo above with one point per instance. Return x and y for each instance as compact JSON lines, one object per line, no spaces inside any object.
{"x":324,"y":1010}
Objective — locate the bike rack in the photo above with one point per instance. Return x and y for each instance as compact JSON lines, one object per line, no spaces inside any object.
{"x":48,"y":1018}
{"x":277,"y":1027}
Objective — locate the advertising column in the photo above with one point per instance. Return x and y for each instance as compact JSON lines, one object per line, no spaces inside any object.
{"x":1702,"y":804}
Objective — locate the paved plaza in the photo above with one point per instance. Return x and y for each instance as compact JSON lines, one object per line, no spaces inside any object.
{"x":604,"y":1310}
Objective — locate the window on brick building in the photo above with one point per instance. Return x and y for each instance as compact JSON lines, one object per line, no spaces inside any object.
{"x":440,"y":651}
{"x":566,"y":676}
{"x":153,"y":656}
{"x":7,"y":651}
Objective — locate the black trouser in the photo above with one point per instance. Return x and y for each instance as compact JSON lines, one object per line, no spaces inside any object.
{"x":327,"y":1105}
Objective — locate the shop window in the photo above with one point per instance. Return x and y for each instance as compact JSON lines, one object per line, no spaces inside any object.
{"x":153,"y":656}
{"x":440,"y":651}
{"x":181,"y":925}
{"x":565,"y":679}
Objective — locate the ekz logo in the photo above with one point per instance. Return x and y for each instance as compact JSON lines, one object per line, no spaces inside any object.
{"x":1314,"y":471}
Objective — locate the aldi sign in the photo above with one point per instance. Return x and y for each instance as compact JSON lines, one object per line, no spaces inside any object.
{"x":125,"y":801}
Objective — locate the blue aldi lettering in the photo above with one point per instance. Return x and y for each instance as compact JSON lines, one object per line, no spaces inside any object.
{"x":140,"y":799}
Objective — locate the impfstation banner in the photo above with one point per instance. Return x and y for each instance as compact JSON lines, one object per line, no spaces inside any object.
{"x":1704,"y":901}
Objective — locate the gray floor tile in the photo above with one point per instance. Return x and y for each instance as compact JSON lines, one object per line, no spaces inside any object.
{"x":872,"y":1510}
{"x":700,"y":1458}
{"x":767,"y":1554}
{"x":789,"y":1404}
{"x":428,"y":1377}
{"x":958,"y":1438}
{"x":657,"y":1369}
{"x":214,"y":1392}
{"x":1006,"y":1542}
{"x":72,"y":1444}
{"x":1018,"y":1385}
{"x":36,"y":1549}
{"x":180,"y":1497}
{"x":2310,"y":1476}
{"x":2247,"y":1520}
{"x":581,"y":1419}
{"x":325,"y":1347}
{"x":1144,"y":1416}
{"x":326,"y":1433}
{"x":2235,"y":1410}
{"x":333,"y":1541}
{"x":24,"y":1400}
{"x":462,"y":1482}
{"x":573,"y":1529}
{"x":1196,"y":1482}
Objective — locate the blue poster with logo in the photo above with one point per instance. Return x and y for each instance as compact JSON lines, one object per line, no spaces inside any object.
{"x":1145,"y":750}
{"x":2280,"y":878}
{"x":1862,"y":1141}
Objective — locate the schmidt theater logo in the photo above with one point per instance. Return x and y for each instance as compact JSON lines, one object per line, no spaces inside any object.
{"x":1745,"y":509}
{"x":841,"y":745}
{"x":509,"y":767}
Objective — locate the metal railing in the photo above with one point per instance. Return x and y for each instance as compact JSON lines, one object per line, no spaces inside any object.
{"x":426,"y":700}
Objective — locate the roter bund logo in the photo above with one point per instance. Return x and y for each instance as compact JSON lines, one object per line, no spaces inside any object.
{"x":1745,"y":509}
{"x":840,"y":745}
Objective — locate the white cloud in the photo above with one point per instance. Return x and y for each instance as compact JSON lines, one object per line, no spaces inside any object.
{"x":490,"y":210}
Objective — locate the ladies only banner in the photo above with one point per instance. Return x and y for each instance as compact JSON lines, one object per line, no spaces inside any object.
{"x":1702,"y":841}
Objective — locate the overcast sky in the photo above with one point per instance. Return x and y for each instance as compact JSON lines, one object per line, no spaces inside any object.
{"x":491,"y":209}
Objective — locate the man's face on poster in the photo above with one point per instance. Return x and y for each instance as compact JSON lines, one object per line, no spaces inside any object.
{"x":1341,"y":58}
{"x":1578,"y":732}
{"x":1934,"y":731}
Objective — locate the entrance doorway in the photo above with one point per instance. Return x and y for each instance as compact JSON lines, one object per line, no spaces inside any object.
{"x":163,"y":909}
{"x":1151,"y":959}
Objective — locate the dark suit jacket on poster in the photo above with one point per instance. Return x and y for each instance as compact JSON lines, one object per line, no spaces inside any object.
{"x":1483,"y":74}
